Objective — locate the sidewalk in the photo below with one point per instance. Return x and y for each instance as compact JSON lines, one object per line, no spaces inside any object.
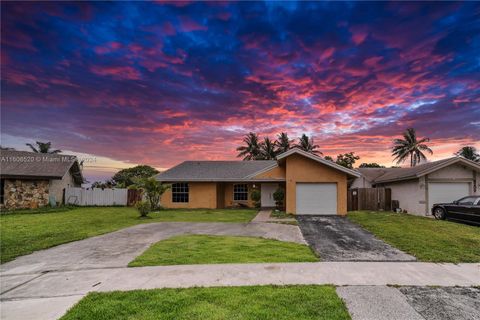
{"x":26,"y":289}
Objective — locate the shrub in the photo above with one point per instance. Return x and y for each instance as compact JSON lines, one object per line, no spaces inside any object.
{"x":153,"y":191}
{"x":256,"y":196}
{"x":279,"y":196}
{"x":143,"y":208}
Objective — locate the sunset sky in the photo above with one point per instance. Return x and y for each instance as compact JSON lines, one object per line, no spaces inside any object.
{"x":158,"y":83}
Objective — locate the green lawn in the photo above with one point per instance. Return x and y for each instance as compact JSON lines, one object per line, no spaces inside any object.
{"x":232,"y":303}
{"x":24,"y":232}
{"x":427,"y":239}
{"x":203,"y":249}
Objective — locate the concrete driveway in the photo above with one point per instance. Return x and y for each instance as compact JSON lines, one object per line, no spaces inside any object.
{"x":411,"y":303}
{"x":335,"y":238}
{"x":117,"y":249}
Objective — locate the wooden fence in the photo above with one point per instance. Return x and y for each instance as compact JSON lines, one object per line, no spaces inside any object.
{"x":96,"y":197}
{"x":369,"y":199}
{"x":133,"y":196}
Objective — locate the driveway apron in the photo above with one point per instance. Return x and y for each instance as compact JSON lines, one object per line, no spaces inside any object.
{"x":335,"y":238}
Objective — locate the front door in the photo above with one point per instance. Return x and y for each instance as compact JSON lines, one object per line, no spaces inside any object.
{"x":267,"y":190}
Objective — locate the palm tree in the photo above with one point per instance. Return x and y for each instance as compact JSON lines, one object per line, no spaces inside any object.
{"x":43,"y":147}
{"x":306,"y":144}
{"x":283,"y":143}
{"x":409,"y":146}
{"x":251,"y":149}
{"x":268,"y":151}
{"x":469,"y":152}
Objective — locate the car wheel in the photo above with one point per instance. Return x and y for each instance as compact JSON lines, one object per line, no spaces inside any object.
{"x":439,"y":213}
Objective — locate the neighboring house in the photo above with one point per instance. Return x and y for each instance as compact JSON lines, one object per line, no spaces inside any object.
{"x":312,"y":184}
{"x":31,"y":180}
{"x":418,"y":188}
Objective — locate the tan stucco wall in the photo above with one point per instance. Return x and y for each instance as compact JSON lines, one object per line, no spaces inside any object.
{"x":275,"y":173}
{"x":410,"y":195}
{"x":453,"y":172}
{"x":56,"y":186}
{"x":201,"y":195}
{"x":301,"y":169}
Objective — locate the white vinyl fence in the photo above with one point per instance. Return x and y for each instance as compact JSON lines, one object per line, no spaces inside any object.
{"x":96,"y":197}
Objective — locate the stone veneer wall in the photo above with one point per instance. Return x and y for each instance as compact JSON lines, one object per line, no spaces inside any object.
{"x":25,"y":194}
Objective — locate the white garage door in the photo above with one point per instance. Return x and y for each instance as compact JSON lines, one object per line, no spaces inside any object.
{"x":317,"y":198}
{"x":439,"y":192}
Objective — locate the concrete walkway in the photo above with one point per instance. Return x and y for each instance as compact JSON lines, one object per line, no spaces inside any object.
{"x":117,"y":249}
{"x":30,"y":289}
{"x":264,"y":216}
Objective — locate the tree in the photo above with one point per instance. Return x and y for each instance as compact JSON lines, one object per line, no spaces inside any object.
{"x":43,"y":147}
{"x":283,"y":143}
{"x":411,"y":147}
{"x":469,"y":152}
{"x":347,"y":159}
{"x":127,"y":177}
{"x":306,"y":144}
{"x":103,"y":185}
{"x":267,"y":149}
{"x":251,"y":150}
{"x":371,"y":165}
{"x":328,"y":158}
{"x":153,"y":190}
{"x":6,"y":148}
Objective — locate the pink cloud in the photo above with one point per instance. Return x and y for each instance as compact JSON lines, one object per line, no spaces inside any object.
{"x":187,"y":24}
{"x":121,"y":73}
{"x":108,"y":48}
{"x":359,"y":34}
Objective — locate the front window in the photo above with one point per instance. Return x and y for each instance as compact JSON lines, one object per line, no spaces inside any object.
{"x":180,"y":192}
{"x":240,"y":192}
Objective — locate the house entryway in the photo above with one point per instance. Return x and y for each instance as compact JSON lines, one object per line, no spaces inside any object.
{"x":267,"y":191}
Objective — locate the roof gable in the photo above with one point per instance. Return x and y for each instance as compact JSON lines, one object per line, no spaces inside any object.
{"x":318,"y":159}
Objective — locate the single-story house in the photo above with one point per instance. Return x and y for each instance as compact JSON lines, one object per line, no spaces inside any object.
{"x":312,"y":184}
{"x":418,"y":188}
{"x":32,"y":180}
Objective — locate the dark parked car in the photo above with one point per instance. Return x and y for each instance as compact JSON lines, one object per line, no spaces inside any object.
{"x":465,"y":210}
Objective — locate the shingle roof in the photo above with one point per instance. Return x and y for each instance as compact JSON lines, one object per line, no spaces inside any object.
{"x":373,"y":173}
{"x":380,"y":175}
{"x":214,"y":170}
{"x":24,"y":164}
